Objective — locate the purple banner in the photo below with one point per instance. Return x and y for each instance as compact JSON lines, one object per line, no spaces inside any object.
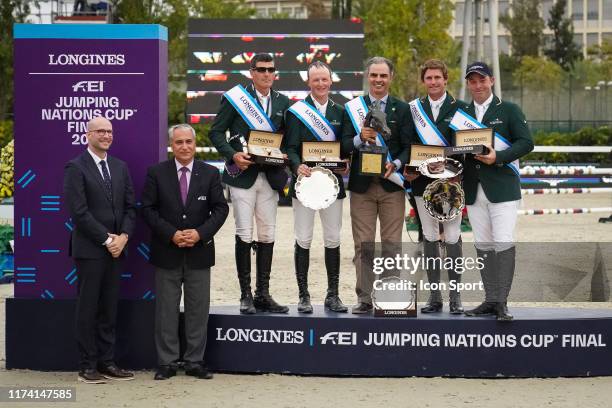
{"x":65,"y":75}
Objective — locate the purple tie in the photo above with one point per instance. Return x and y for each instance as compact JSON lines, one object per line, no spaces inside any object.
{"x":183,"y":184}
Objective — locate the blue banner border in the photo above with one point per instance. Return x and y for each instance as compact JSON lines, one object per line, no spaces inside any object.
{"x":91,"y":31}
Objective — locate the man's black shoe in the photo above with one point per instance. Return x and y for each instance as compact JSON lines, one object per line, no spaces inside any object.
{"x":432,"y":307}
{"x":91,"y":376}
{"x":112,"y":372}
{"x":246,"y":304}
{"x":334,"y":304}
{"x":266,"y":303}
{"x":502,"y":312}
{"x":361,"y":308}
{"x":199,"y":371}
{"x":455,"y":307}
{"x":304,"y":305}
{"x":164,"y":372}
{"x":484,"y":309}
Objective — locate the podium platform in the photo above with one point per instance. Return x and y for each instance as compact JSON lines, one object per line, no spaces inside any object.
{"x":540,"y":342}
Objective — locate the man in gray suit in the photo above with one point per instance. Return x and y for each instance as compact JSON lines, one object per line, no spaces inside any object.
{"x":100,"y":198}
{"x":184,"y":206}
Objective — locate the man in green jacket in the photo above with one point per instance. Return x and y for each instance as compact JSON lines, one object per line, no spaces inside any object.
{"x":493,"y":186}
{"x":432,"y":115}
{"x":374,"y":197}
{"x":253,"y":188}
{"x":318,"y":120}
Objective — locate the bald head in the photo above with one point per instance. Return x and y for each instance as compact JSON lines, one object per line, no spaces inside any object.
{"x":99,"y":135}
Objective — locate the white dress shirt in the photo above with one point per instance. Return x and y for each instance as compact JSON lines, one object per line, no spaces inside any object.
{"x":97,"y":160}
{"x":436,"y":105}
{"x":265,"y":101}
{"x":481,"y":109}
{"x":321,"y":108}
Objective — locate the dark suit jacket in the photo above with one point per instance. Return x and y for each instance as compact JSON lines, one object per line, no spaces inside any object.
{"x":400,"y":123}
{"x":297,"y":133}
{"x":229,"y":119}
{"x":164,"y":212}
{"x":498,"y":181}
{"x":447,"y":110}
{"x":93,"y":213}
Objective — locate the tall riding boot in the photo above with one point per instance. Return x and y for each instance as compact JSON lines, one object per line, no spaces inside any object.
{"x":243,"y":266}
{"x":301,"y":258}
{"x":505,"y":269}
{"x":431,"y":252}
{"x":263,"y":301}
{"x":488,"y":274}
{"x":332,"y":264}
{"x":454,"y":252}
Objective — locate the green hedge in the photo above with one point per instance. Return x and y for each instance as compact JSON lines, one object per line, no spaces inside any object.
{"x":6,"y":132}
{"x":584,"y":137}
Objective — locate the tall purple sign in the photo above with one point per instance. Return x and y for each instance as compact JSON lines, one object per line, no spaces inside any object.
{"x":64,"y":76}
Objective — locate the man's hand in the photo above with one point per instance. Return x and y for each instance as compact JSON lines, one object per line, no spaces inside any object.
{"x":242,"y":160}
{"x":368,"y":135}
{"x":488,"y":158}
{"x":390,"y":168}
{"x":117,"y":245}
{"x":179,"y":239}
{"x":411,"y":175}
{"x":303,"y":170}
{"x":346,"y":171}
{"x":191,"y":237}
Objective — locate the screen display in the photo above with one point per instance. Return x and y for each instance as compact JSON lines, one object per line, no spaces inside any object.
{"x":219,"y":53}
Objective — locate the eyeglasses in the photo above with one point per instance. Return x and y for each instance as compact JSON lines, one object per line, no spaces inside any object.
{"x":261,"y":70}
{"x":102,"y":132}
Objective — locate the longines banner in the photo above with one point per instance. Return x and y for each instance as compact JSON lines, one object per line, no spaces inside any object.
{"x":65,"y":75}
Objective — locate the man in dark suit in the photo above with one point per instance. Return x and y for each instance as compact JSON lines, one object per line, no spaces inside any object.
{"x":254,"y":188}
{"x":319,"y":82}
{"x":100,"y":197}
{"x":372,"y":197}
{"x":184,"y":206}
{"x":432,"y":115}
{"x":493,"y":188}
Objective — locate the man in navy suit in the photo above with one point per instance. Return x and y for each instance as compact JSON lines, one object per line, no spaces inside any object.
{"x":100,"y":197}
{"x":184,"y":206}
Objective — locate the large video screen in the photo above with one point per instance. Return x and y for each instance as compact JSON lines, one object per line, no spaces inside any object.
{"x":220,"y":51}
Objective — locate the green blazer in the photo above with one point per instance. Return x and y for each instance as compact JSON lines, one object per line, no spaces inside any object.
{"x":499,"y":182}
{"x":297,"y":133}
{"x":447,"y":110}
{"x":229,"y":119}
{"x":402,"y":128}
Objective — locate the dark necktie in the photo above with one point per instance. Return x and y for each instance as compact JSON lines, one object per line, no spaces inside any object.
{"x":183,"y":184}
{"x":106,"y":178}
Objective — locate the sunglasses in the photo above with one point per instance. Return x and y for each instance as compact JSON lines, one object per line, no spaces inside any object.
{"x":261,"y":70}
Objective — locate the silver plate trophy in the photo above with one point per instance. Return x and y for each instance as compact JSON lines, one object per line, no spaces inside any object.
{"x":444,"y":199}
{"x":318,"y":191}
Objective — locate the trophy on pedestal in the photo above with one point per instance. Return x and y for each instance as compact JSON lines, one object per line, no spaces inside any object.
{"x":373,"y":157}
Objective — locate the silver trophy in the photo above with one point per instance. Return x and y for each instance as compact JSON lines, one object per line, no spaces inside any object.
{"x":232,"y":168}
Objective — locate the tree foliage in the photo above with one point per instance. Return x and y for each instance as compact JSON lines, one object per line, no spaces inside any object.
{"x":408,"y":32}
{"x":11,"y":12}
{"x":525,"y":26}
{"x":539,"y":74}
{"x":563,"y":50}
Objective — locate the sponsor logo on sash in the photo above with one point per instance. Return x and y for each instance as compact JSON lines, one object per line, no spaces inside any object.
{"x":250,"y":110}
{"x":314,"y":121}
{"x":427,"y":131}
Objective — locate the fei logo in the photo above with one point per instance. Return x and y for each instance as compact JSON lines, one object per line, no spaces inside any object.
{"x":340,"y":338}
{"x":88,"y":86}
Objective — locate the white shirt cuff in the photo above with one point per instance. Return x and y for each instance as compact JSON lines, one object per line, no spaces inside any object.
{"x":108,"y":241}
{"x":398,"y":164}
{"x":357,"y":141}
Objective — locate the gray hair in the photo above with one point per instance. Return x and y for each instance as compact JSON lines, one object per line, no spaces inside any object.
{"x":172,"y":128}
{"x":378,"y":60}
{"x":318,"y":64}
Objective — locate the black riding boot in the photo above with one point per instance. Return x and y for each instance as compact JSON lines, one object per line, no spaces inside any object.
{"x":243,"y":266}
{"x":431,"y":252}
{"x":488,"y":274}
{"x":263,"y":301}
{"x":454,"y":251}
{"x":505,"y":269}
{"x":332,"y":264}
{"x":301,"y":258}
